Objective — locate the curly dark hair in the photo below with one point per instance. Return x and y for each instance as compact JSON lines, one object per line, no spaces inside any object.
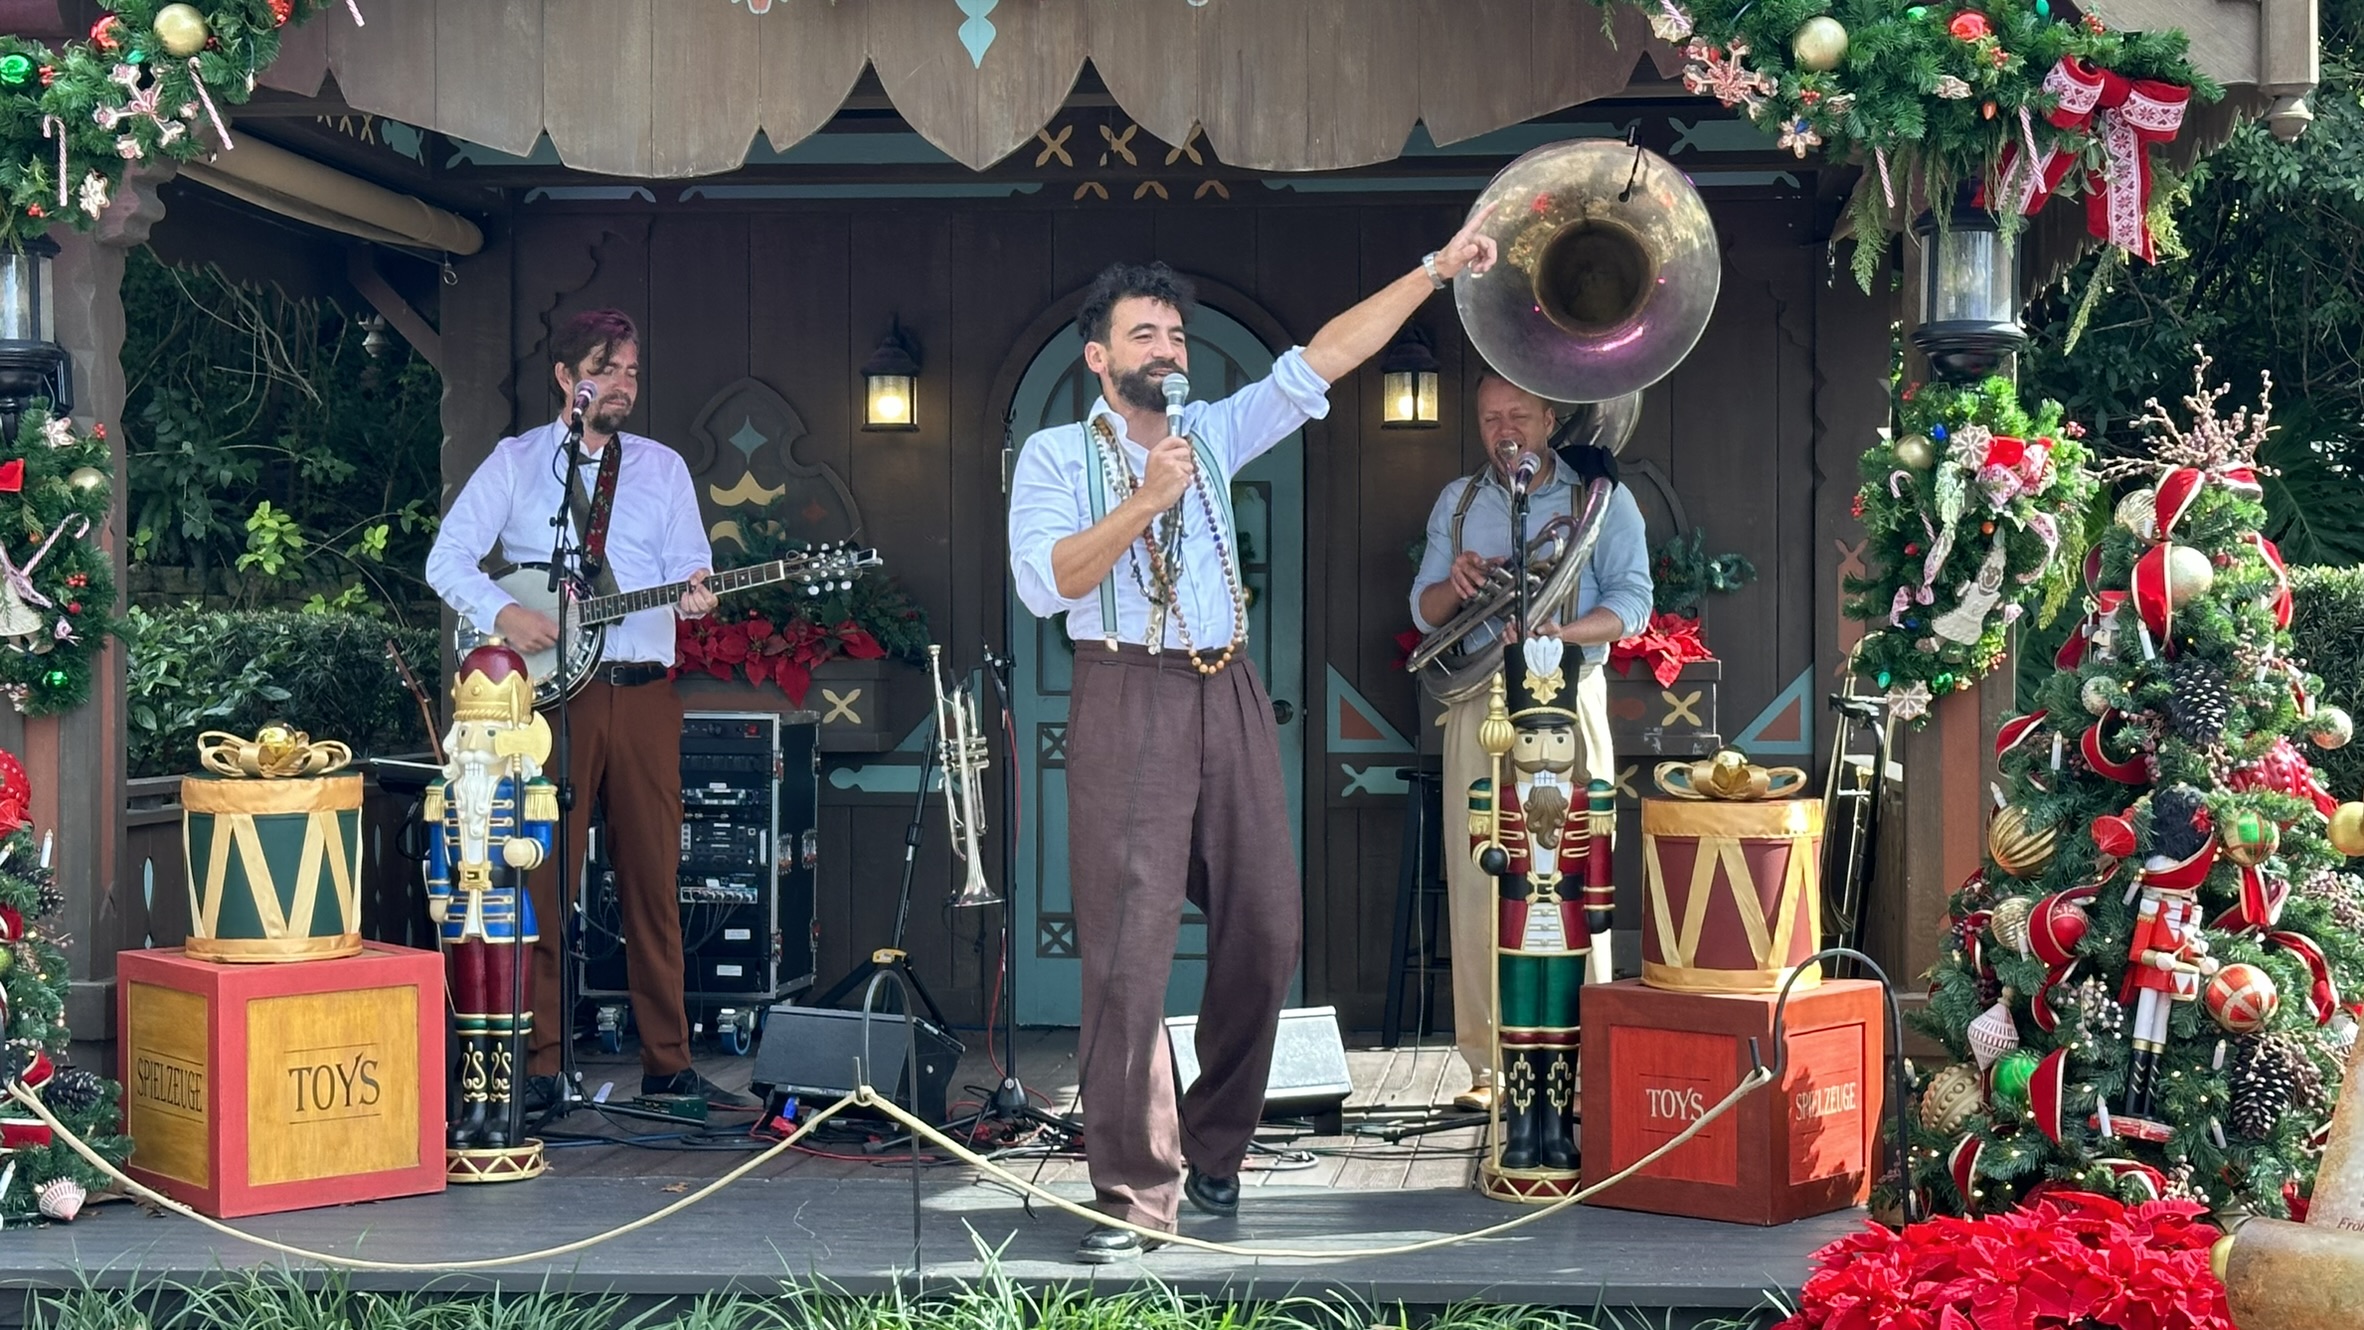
{"x":1123,"y":281}
{"x":598,"y":331}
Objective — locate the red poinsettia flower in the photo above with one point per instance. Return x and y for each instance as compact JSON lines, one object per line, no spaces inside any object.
{"x":1969,"y":26}
{"x":1667,"y":645}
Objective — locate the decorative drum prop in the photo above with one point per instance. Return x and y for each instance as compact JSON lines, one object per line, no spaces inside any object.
{"x":1732,"y":877}
{"x":273,"y":845}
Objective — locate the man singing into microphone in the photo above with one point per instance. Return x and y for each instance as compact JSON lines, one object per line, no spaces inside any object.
{"x":1469,"y":532}
{"x":1123,"y":522}
{"x":634,"y":516}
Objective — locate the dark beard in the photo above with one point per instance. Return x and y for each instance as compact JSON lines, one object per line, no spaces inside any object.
{"x":609,"y":419}
{"x":1143,"y":392}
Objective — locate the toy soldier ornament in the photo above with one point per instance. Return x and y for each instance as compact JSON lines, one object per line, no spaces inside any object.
{"x":493,"y":816}
{"x":1542,"y":832}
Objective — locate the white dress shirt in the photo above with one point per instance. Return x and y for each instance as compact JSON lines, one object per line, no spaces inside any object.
{"x":1617,"y":575}
{"x":654,"y":534}
{"x":1050,"y":500}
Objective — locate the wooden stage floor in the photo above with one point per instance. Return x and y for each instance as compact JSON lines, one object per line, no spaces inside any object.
{"x":845,"y":1216}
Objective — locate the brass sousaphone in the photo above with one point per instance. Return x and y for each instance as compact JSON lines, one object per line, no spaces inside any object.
{"x":1607,"y":273}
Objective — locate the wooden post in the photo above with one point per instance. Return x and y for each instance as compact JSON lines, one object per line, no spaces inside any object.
{"x":76,"y":761}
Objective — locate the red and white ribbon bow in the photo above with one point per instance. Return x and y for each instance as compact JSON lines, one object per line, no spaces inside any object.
{"x":2126,"y":116}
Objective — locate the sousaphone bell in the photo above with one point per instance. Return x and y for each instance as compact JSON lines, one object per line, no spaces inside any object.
{"x":1608,"y":269}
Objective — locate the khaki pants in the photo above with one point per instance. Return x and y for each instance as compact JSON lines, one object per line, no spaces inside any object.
{"x":1471,"y":895}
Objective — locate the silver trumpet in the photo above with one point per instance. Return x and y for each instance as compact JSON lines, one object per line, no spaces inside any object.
{"x":962,"y":751}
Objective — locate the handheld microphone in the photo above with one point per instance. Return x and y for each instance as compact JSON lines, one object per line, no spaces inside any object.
{"x":1177,"y":388}
{"x":586,"y":393}
{"x":1524,"y":476}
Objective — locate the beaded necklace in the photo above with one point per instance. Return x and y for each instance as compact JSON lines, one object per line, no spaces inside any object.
{"x":1161,"y":588}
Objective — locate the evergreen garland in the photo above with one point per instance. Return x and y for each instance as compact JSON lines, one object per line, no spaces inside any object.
{"x":1926,"y":97}
{"x":123,"y":95}
{"x":1968,"y":473}
{"x":54,"y":500}
{"x":2238,"y":1118}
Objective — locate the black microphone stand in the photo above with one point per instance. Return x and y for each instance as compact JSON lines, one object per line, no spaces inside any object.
{"x":565,"y":568}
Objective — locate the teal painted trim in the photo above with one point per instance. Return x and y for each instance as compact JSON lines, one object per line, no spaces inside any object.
{"x":1716,"y":136}
{"x":1513,"y":140}
{"x":899,"y":149}
{"x":1342,"y":693}
{"x":404,"y":139}
{"x":1797,"y":694}
{"x":882,"y":190}
{"x":1401,"y":185}
{"x":1378,"y":780}
{"x":604,"y":193}
{"x":464,"y":153}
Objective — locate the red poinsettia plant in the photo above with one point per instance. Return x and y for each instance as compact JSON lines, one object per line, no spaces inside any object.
{"x":2067,"y":1260}
{"x":785,"y":654}
{"x":1666,"y":646}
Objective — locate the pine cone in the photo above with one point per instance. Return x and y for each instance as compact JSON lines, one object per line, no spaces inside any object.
{"x":2264,"y":1080}
{"x":49,"y":898}
{"x":2341,"y":893}
{"x":2202,"y":703}
{"x":74,"y":1090}
{"x":2308,"y":1089}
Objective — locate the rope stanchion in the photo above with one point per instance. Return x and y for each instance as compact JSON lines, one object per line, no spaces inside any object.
{"x":866,"y":1097}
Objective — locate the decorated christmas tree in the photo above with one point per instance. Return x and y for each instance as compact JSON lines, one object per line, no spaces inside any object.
{"x":39,"y":1173}
{"x":2143,"y":991}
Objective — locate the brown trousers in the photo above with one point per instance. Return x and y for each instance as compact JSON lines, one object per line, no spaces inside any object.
{"x":626,"y":750}
{"x":1174,"y":793}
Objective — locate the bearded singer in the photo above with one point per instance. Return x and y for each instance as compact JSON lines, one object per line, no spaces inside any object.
{"x":1469,"y":533}
{"x":1173,"y":760}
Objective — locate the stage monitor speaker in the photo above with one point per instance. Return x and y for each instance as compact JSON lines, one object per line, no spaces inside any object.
{"x":810,"y":1052}
{"x":1309,"y":1077}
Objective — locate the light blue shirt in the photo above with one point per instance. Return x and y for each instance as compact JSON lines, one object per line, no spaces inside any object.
{"x":1618,"y":575}
{"x":1050,"y":500}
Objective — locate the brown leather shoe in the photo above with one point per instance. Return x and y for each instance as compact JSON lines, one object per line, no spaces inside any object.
{"x":1478,"y":1098}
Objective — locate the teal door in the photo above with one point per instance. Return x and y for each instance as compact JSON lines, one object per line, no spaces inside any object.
{"x":1269,"y":498}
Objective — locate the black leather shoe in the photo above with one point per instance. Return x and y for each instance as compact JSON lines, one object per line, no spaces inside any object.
{"x":1212,"y":1195}
{"x":1104,"y":1245}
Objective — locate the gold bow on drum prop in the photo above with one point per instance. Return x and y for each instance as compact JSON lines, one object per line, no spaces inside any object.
{"x":1732,"y":872}
{"x":271,"y":838}
{"x":274,"y":753}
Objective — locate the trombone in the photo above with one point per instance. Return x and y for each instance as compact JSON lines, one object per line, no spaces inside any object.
{"x":1854,"y":785}
{"x":962,"y":751}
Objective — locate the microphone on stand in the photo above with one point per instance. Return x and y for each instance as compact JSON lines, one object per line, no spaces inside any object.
{"x":1524,"y":477}
{"x":1177,"y":387}
{"x":586,"y":393}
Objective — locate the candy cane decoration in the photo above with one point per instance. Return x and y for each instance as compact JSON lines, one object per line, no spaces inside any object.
{"x":355,"y":6}
{"x":1887,"y":189}
{"x":53,"y":127}
{"x":207,"y":98}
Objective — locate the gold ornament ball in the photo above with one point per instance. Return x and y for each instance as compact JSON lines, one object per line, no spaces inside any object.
{"x":2009,"y":921}
{"x":1915,"y":451}
{"x":182,"y":30}
{"x":2330,"y":728}
{"x":2347,"y":830}
{"x":86,"y":478}
{"x":1952,"y":1097}
{"x":1819,"y":44}
{"x":2017,"y":848}
{"x":2139,"y":513}
{"x":2189,"y":575}
{"x":274,"y":743}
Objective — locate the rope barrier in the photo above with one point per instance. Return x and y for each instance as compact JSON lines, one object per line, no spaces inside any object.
{"x":866,"y":1097}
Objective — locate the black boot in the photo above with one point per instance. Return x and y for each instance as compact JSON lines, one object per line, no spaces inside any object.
{"x":1519,"y":1096}
{"x":1555,"y":1115}
{"x":501,"y":1110}
{"x":467,"y":1125}
{"x":2141,"y":1079}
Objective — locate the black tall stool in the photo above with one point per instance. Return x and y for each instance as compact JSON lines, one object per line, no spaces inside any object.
{"x":1420,"y":954}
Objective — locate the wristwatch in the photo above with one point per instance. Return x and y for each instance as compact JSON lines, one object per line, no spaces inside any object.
{"x":1428,"y":265}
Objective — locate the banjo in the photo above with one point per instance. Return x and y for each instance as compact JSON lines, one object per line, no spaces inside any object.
{"x":560,"y":670}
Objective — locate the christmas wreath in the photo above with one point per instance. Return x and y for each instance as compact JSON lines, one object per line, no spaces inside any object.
{"x":57,"y":586}
{"x":2012,"y":96}
{"x":143,"y":83}
{"x":1966,"y":507}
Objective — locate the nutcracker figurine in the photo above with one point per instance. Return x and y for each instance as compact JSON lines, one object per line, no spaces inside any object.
{"x":493,"y":815}
{"x":2168,"y":961}
{"x":1545,"y":840}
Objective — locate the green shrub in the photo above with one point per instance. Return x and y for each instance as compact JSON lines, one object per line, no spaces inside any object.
{"x":192,"y":669}
{"x":2327,"y":632}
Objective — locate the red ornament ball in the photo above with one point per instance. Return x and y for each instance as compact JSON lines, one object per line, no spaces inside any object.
{"x":1969,"y":26}
{"x":2241,"y":998}
{"x":2056,"y":928}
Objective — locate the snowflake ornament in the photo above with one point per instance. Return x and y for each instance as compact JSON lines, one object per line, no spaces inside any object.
{"x":93,"y":196}
{"x":1951,"y":88}
{"x":1798,"y":135}
{"x":1723,"y":75}
{"x":1670,"y":23}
